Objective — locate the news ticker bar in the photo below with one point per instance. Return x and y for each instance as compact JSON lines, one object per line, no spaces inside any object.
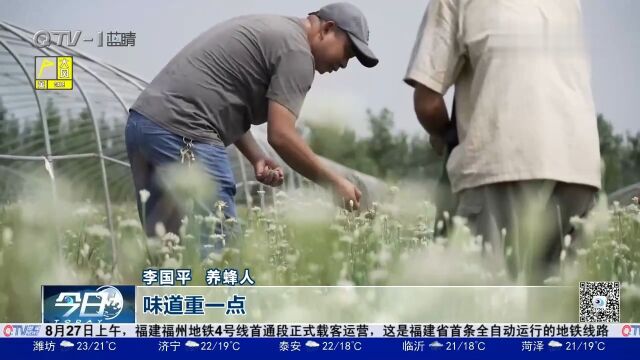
{"x":320,"y":330}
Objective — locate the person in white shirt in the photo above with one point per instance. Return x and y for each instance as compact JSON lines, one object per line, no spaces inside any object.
{"x":528,"y":157}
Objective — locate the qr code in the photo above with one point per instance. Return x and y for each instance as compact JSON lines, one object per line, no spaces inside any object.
{"x":599,"y":301}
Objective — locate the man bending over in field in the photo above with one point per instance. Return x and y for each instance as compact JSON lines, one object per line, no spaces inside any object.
{"x":245,"y":71}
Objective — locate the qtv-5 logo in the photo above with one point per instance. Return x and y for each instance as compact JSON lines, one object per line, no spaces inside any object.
{"x":21,"y":330}
{"x":631,"y":330}
{"x":88,"y":304}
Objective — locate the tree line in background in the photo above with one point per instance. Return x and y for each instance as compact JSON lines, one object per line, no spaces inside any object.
{"x":385,"y":153}
{"x":621,"y":155}
{"x":394,"y":155}
{"x":26,"y":136}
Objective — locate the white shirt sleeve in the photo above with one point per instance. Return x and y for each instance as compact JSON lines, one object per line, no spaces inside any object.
{"x":437,"y":54}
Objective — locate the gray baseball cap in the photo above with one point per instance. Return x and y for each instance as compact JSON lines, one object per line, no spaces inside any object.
{"x":352,"y":21}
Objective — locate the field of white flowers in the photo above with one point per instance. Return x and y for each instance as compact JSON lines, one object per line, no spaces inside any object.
{"x":296,"y":238}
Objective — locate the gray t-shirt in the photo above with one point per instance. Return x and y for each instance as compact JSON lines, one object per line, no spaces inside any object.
{"x":221,"y":82}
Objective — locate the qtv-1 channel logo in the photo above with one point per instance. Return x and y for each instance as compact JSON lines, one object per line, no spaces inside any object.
{"x":88,"y":304}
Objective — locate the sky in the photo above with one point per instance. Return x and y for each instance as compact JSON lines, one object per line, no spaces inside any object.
{"x":163,"y":27}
